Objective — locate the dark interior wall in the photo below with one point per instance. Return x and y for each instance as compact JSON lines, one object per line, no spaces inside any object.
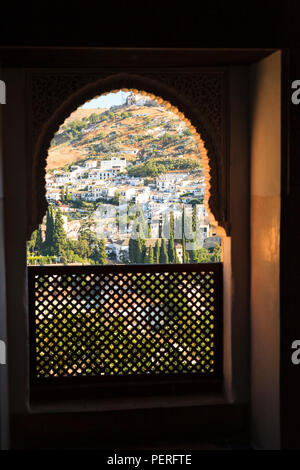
{"x":14,"y":142}
{"x":14,"y":169}
{"x":237,"y":247}
{"x":150,"y":24}
{"x":4,"y":414}
{"x":269,"y":24}
{"x":290,"y":254}
{"x":265,"y":148}
{"x":239,"y":216}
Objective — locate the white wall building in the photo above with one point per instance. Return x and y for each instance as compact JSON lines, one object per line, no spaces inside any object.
{"x":115,"y":163}
{"x":53,"y":195}
{"x":90,"y":164}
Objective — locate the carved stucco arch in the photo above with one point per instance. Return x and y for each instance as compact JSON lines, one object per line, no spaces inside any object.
{"x":198,"y":122}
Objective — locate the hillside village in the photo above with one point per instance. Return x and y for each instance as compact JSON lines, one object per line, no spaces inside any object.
{"x":124,"y":173}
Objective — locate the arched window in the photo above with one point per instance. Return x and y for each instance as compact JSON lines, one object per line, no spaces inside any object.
{"x":126,"y":183}
{"x":125,"y":275}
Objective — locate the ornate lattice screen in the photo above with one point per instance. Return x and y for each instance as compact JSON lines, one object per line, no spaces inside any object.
{"x":125,"y":320}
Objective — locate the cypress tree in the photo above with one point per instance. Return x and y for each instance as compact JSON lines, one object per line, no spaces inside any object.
{"x":176,"y":256}
{"x":137,"y":247}
{"x":59,"y":234}
{"x":185,"y":256}
{"x":182,"y":222}
{"x":156,"y":252}
{"x":171,"y":249}
{"x":133,"y":248}
{"x":141,"y":251}
{"x":163,"y":257}
{"x":38,"y":247}
{"x":49,"y":232}
{"x":194,"y":255}
{"x":67,"y":194}
{"x":62,"y":194}
{"x":102,"y":252}
{"x":150,"y":256}
{"x":194,"y":218}
{"x":31,"y":243}
{"x":172,"y":223}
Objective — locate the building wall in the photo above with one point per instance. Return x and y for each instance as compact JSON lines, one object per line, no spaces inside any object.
{"x":290,"y":254}
{"x":236,"y":247}
{"x":265,"y":126}
{"x":236,"y":324}
{"x":14,"y":168}
{"x":4,"y":425}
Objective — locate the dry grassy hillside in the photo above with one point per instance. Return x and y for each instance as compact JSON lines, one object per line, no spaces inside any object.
{"x":80,"y":113}
{"x":62,"y":155}
{"x":140,"y":133}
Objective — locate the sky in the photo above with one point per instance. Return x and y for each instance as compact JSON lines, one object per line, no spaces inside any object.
{"x":106,"y":101}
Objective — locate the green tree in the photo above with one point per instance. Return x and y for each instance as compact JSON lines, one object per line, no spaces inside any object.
{"x":49,"y":232}
{"x":87,"y":227}
{"x":150,"y":256}
{"x":194,"y":218}
{"x":185,"y":228}
{"x":185,"y":255}
{"x":217,"y":254}
{"x":156,"y":252}
{"x":93,"y":118}
{"x":133,"y":250}
{"x":59,"y":234}
{"x":31,"y":244}
{"x":83,"y":248}
{"x":67,"y":194}
{"x":171,"y":249}
{"x":203,"y":256}
{"x":172,"y":223}
{"x":194,"y":255}
{"x":102,"y":256}
{"x":163,"y":257}
{"x":141,"y":250}
{"x":39,"y":245}
{"x":62,"y":194}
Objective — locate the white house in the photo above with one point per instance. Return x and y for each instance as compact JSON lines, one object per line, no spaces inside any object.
{"x":53,"y":195}
{"x":62,"y":178}
{"x":90,"y":164}
{"x":115,"y":163}
{"x":126,"y":191}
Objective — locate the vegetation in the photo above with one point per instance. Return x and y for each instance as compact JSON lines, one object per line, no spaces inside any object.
{"x":164,"y":252}
{"x":56,"y":247}
{"x":158,"y":166}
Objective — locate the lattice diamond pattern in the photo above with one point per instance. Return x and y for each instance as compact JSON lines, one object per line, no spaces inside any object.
{"x":124,"y":323}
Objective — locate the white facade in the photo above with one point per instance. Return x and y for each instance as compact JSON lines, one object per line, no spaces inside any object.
{"x":127,"y":192}
{"x":53,"y":195}
{"x":90,"y":164}
{"x":163,"y":185}
{"x":114,"y":163}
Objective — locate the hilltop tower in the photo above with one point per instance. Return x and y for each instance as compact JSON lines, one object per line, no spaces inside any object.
{"x":130,"y":99}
